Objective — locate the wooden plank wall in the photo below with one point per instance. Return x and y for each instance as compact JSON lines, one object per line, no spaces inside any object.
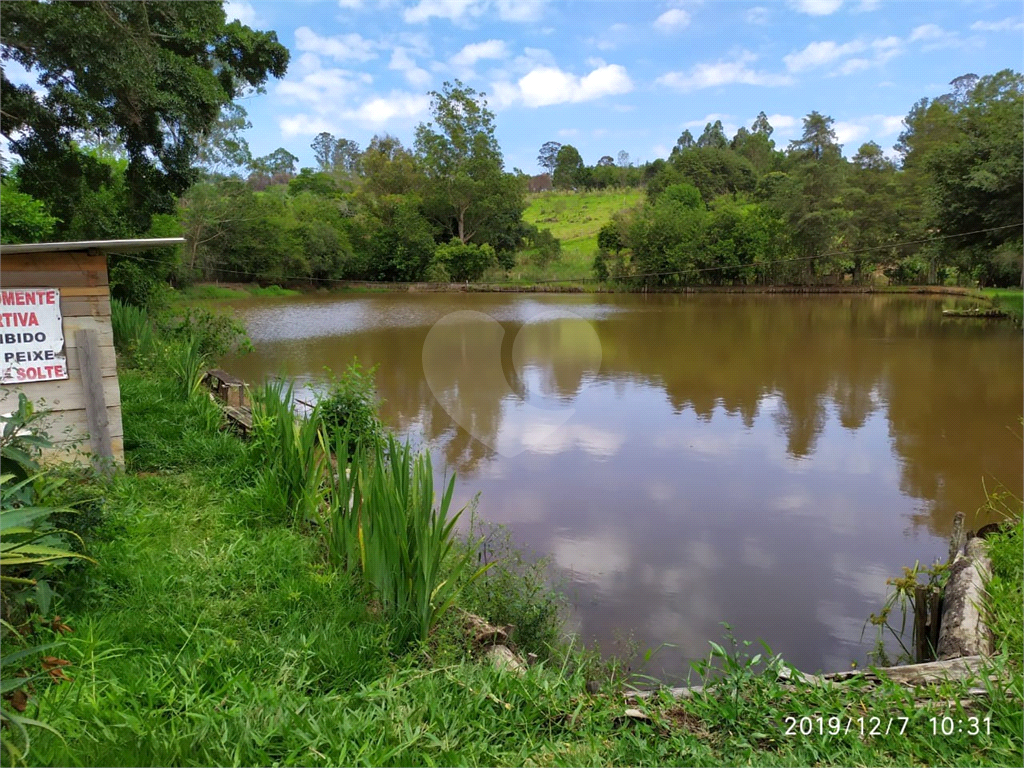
{"x":84,"y":304}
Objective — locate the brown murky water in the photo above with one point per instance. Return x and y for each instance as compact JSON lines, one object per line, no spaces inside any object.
{"x":767,"y":461}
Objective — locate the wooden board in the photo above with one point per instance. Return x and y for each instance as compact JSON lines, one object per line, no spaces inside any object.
{"x":58,"y":278}
{"x":108,"y":360}
{"x":104,"y":333}
{"x":73,"y":426}
{"x":60,"y":261}
{"x":65,"y":395}
{"x":78,"y":291}
{"x":86,"y":306}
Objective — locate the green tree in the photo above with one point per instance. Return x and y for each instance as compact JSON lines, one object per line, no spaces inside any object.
{"x":570,"y":172}
{"x":23,"y":219}
{"x":388,"y":168}
{"x":872,"y":219}
{"x":150,"y":77}
{"x":462,"y":162}
{"x":976,"y":176}
{"x":713,"y":137}
{"x":814,"y":201}
{"x":548,"y":157}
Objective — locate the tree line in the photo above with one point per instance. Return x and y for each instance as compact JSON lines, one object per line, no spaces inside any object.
{"x":139,"y":133}
{"x":742,"y":211}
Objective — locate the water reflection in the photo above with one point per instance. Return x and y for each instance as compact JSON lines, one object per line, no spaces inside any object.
{"x":765,"y":460}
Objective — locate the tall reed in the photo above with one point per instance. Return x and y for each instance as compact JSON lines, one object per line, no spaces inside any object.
{"x":133,"y":331}
{"x":294,"y":464}
{"x":382,"y":519}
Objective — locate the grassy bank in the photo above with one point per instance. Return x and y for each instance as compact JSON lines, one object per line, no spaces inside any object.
{"x":205,"y":291}
{"x":211,"y":631}
{"x":575,"y":219}
{"x":1009,"y":300}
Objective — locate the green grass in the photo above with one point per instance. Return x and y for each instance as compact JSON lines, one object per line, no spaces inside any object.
{"x":212,"y":634}
{"x":207,"y":291}
{"x":1009,"y":300}
{"x":574,"y":218}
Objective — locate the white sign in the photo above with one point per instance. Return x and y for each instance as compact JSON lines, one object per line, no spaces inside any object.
{"x":31,"y":336}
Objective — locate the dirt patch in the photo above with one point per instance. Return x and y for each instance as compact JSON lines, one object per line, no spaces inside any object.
{"x":687,"y":721}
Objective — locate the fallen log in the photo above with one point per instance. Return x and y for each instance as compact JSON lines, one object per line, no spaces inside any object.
{"x":963,"y":631}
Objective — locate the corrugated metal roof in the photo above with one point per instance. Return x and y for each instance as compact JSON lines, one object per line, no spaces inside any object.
{"x":108,"y":246}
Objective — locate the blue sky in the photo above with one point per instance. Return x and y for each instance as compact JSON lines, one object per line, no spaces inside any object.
{"x":611,"y":76}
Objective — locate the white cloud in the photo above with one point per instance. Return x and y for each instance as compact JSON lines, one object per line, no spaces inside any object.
{"x":243,"y":12}
{"x":568,"y":133}
{"x":891,"y":123}
{"x":816,"y":7}
{"x":757,"y":15}
{"x":382,"y":109}
{"x":854,"y":65}
{"x":818,"y":54}
{"x":464,"y":60}
{"x":546,"y":85}
{"x":1007,"y":24}
{"x":463,"y":11}
{"x":822,"y":53}
{"x":847,"y":132}
{"x":867,"y":5}
{"x":782,"y":122}
{"x":322,"y":86}
{"x":674,"y":18}
{"x":375,"y":112}
{"x":453,"y":10}
{"x":350,"y":5}
{"x":341,"y":47}
{"x":722,"y":73}
{"x":404,"y":63}
{"x":932,"y":37}
{"x":520,"y":10}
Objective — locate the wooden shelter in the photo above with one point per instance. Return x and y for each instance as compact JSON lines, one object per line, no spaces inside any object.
{"x":57,"y":345}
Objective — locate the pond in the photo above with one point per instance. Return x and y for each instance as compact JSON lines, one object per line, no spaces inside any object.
{"x":762,"y":460}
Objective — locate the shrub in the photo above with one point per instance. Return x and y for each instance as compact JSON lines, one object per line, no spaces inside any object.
{"x":600,"y":266}
{"x":610,"y":238}
{"x":348,"y":408}
{"x":461,"y":261}
{"x":548,"y":247}
{"x":214,"y":333}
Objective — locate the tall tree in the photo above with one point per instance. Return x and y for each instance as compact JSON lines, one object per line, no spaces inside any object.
{"x":548,"y":157}
{"x":818,"y":139}
{"x":761,"y":125}
{"x":569,"y":169}
{"x":323,"y":150}
{"x":462,"y":161}
{"x":684,"y":142}
{"x":873,"y":216}
{"x":815,"y":203}
{"x":150,"y":76}
{"x":713,"y":137}
{"x":976,"y":177}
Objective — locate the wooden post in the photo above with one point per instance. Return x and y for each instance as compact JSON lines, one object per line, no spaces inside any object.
{"x":95,"y":403}
{"x":920,"y":626}
{"x":956,"y":540}
{"x":935,"y":609}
